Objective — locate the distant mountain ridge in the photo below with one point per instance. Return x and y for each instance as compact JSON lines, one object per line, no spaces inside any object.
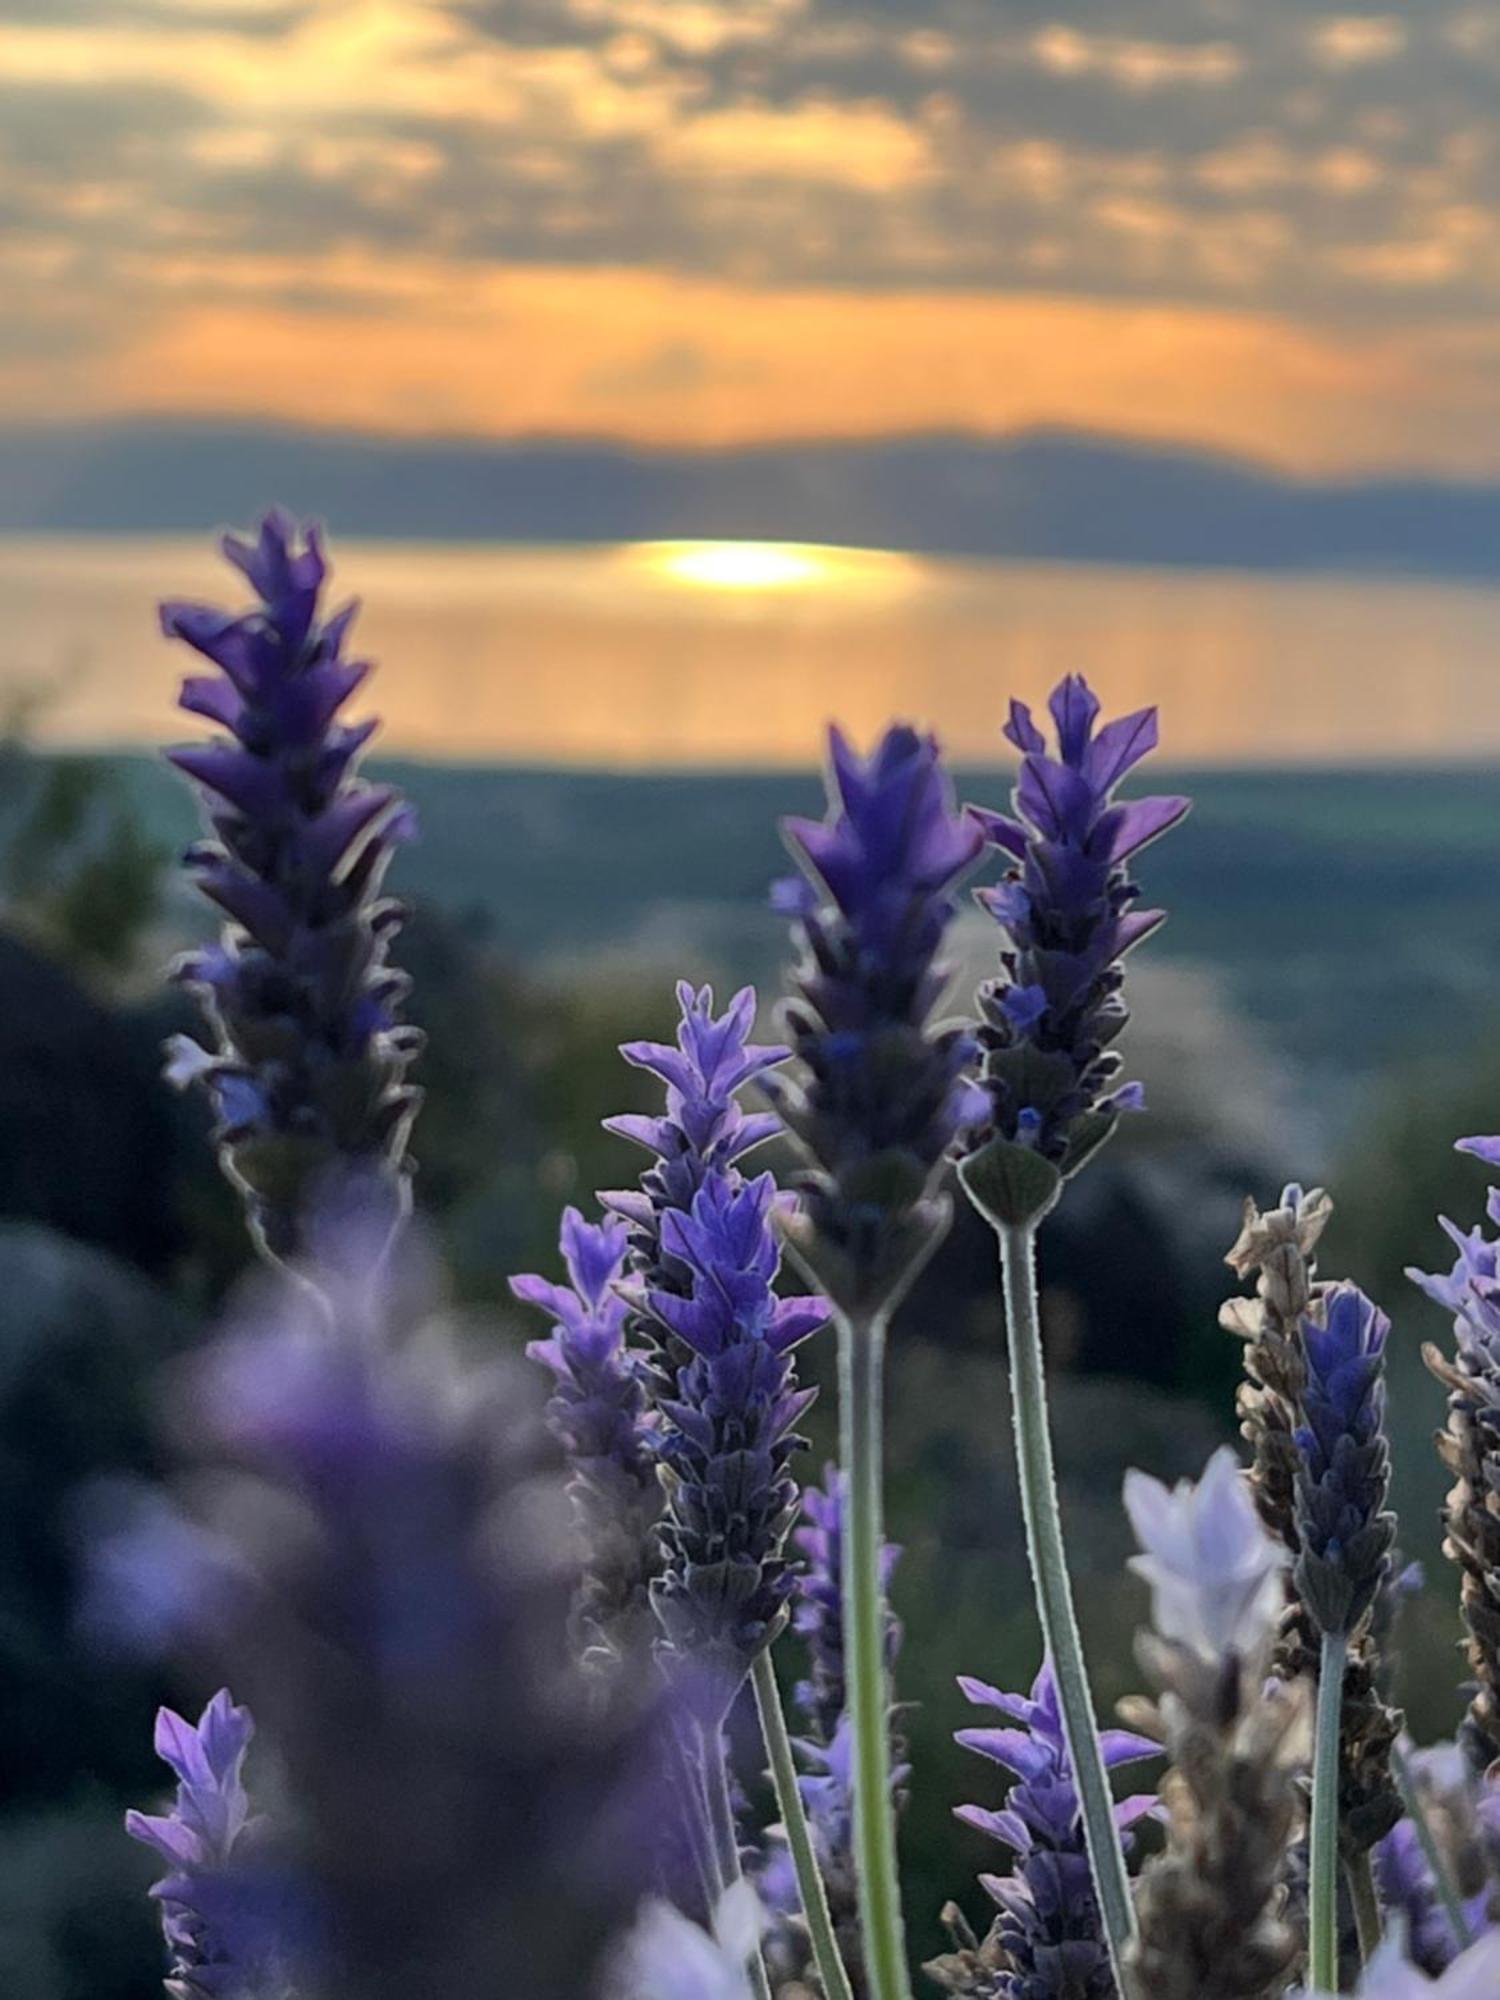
{"x":1059,"y":495}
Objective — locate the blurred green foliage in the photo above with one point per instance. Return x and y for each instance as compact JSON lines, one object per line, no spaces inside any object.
{"x":80,"y":874}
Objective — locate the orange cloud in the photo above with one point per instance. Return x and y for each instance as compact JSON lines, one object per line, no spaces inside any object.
{"x":654,"y":358}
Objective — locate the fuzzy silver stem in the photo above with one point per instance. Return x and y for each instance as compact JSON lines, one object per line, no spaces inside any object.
{"x":1054,"y":1592}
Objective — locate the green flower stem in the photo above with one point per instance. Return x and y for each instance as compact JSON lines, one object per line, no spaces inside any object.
{"x":1366,"y":1905}
{"x":726,"y":1840}
{"x":825,"y":1950}
{"x":1432,"y":1854}
{"x":861,"y":1354}
{"x":1054,"y":1591}
{"x":1323,"y":1887}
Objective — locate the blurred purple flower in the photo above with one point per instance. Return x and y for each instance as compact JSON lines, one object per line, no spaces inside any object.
{"x":307,"y":1071}
{"x":667,"y":1957}
{"x":226,"y":1938}
{"x":599,"y":1412}
{"x":1408,"y":1891}
{"x":1066,"y":906}
{"x":1050,"y":1934}
{"x":1471,"y":1451}
{"x":818,"y":1610}
{"x":470,"y":1812}
{"x":1391,"y":1975}
{"x":883,"y":1092}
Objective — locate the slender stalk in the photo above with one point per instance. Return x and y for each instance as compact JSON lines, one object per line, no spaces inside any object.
{"x":716,"y":1778}
{"x":1432,"y":1853}
{"x":820,"y":1931}
{"x":697,"y":1821}
{"x":1366,"y":1905}
{"x":1323,"y":1885}
{"x":1054,"y":1592}
{"x":861,"y":1355}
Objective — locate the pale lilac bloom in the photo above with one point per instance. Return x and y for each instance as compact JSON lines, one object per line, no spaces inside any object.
{"x":1392,"y":1976}
{"x":668,"y":1957}
{"x":1215,"y":1573}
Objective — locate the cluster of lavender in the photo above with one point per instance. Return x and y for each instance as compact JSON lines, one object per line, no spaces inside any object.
{"x":494,"y":1658}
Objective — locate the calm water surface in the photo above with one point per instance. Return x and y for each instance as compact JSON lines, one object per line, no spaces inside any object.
{"x":724,"y":653}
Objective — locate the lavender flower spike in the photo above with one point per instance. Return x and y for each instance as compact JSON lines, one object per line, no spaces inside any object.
{"x":705,"y":1128}
{"x":1048,"y":1941}
{"x":1066,"y":907}
{"x":883,"y":1096}
{"x":1211,"y":1907}
{"x":1344,"y":1537}
{"x":884,"y":1093}
{"x":703,"y":1259}
{"x":307,"y":1071}
{"x":599,"y":1412}
{"x":728,"y":1433}
{"x":1470,"y":1447}
{"x":1343,"y":1476}
{"x":222,"y":1938}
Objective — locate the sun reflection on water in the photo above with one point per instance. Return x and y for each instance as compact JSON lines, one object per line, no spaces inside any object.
{"x":773,"y":566}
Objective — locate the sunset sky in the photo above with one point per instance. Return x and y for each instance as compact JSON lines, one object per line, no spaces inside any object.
{"x":1255,"y":224}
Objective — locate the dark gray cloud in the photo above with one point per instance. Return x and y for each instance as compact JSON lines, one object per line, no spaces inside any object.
{"x":1214,"y":151}
{"x":275,"y":17}
{"x":1207,"y":149}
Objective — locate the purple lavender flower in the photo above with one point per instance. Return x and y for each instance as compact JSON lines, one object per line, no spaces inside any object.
{"x":599,"y":1411}
{"x":1049,"y":1936}
{"x":728,"y":1431}
{"x":1409,"y":1893}
{"x":221,"y":1929}
{"x":883,"y":1093}
{"x":1345,"y":1532}
{"x":705,"y":1260}
{"x":307,"y":1072}
{"x":705,"y":1128}
{"x":1470,"y":1447}
{"x":818,"y":1612}
{"x":1066,"y":906}
{"x":469,"y":1811}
